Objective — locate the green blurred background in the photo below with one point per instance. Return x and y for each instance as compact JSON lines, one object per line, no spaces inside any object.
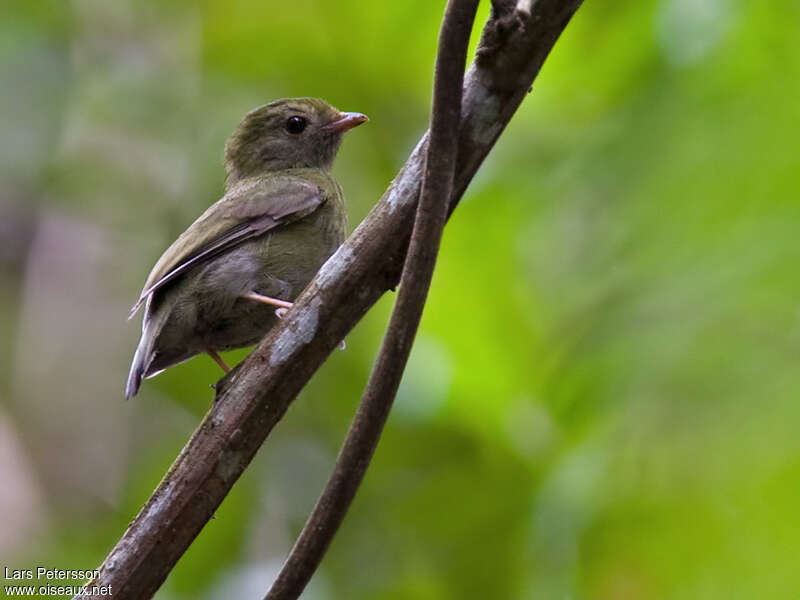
{"x":603,"y":397}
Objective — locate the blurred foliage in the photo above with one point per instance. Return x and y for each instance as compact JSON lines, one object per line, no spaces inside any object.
{"x":602,"y":401}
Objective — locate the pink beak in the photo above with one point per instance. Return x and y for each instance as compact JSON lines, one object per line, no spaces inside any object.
{"x":344,"y":122}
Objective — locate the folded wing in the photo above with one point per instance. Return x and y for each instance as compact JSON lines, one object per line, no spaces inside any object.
{"x":248,"y":210}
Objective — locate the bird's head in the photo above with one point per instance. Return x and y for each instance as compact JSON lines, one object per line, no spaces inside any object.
{"x":285,"y":134}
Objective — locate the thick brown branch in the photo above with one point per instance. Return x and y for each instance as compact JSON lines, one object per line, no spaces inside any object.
{"x":431,"y":215}
{"x":254,"y":396}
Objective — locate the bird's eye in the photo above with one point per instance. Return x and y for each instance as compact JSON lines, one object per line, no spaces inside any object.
{"x":296,"y":125}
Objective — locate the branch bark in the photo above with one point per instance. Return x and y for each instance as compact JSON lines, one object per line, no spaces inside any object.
{"x":378,"y":397}
{"x":253,"y":397}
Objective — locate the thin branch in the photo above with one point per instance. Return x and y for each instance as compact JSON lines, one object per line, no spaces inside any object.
{"x":431,"y":216}
{"x":254,"y":396}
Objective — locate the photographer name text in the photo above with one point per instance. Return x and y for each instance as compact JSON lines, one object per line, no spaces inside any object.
{"x":50,"y":574}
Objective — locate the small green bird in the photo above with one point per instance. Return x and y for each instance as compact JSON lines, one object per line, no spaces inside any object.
{"x":216,"y":287}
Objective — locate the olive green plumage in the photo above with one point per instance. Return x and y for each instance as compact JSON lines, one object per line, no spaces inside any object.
{"x":281,"y":217}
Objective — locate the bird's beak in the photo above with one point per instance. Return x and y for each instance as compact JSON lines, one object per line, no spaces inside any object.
{"x":344,"y":122}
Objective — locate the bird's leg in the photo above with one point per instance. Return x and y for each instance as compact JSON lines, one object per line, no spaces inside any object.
{"x":282,"y":305}
{"x":218,"y":359}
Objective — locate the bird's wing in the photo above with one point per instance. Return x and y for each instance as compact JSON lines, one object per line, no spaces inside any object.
{"x":248,"y":210}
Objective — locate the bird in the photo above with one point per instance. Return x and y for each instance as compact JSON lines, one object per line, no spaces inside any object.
{"x":231,"y":275}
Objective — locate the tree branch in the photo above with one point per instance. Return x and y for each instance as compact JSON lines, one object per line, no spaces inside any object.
{"x":253,"y":397}
{"x":378,"y":397}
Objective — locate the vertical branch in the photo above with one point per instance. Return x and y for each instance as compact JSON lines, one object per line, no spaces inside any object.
{"x":376,"y":402}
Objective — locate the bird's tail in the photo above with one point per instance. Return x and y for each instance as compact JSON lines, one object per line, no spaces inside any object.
{"x":135,"y":375}
{"x":142,"y":358}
